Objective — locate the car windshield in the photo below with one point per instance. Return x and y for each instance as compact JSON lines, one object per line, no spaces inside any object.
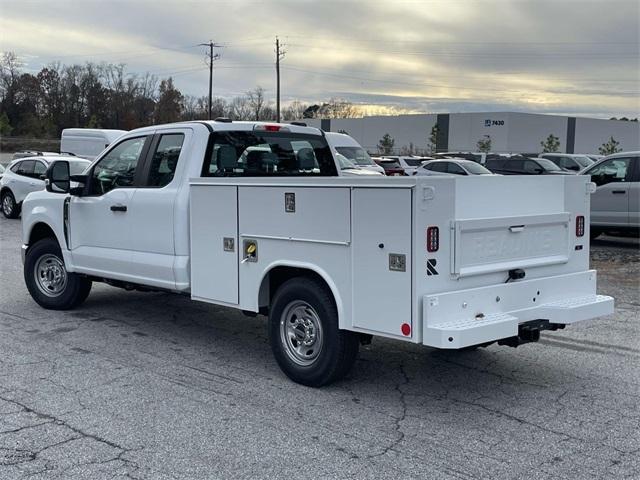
{"x":548,"y":165}
{"x":344,"y":162}
{"x":413,"y":162}
{"x":357,"y":155}
{"x":387,"y":164}
{"x":77,"y":167}
{"x":475,"y":168}
{"x":583,"y":160}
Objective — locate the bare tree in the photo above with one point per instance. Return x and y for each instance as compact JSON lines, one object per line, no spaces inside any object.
{"x":294,"y":111}
{"x":240,"y":108}
{"x":256,"y":102}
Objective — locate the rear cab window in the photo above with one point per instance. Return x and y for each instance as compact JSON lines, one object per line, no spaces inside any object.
{"x":266,"y":153}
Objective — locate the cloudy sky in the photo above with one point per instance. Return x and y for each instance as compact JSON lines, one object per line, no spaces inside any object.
{"x":556,"y":56}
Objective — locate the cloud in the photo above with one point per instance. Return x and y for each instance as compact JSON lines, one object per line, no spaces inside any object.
{"x":542,"y":55}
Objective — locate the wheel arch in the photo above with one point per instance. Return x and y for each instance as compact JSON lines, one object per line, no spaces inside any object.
{"x":278,"y":273}
{"x":40,"y":230}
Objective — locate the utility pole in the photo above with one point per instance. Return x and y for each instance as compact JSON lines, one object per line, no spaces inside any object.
{"x":212,"y":58}
{"x":279,"y":56}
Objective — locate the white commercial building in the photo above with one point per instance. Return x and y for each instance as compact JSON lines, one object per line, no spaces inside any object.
{"x":508,"y":131}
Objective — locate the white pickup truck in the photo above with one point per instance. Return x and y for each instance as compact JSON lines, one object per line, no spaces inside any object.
{"x":253,"y":216}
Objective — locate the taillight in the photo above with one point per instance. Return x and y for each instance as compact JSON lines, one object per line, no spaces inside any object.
{"x":433,"y":239}
{"x":579,"y":226}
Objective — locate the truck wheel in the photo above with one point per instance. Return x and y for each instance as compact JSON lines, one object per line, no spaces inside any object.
{"x":304,"y":335}
{"x":48,"y":281}
{"x":10,"y":208}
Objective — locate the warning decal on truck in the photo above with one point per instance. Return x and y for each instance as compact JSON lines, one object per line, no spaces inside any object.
{"x":431,"y":267}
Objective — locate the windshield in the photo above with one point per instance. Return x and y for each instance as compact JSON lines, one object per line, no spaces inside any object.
{"x":548,"y":165}
{"x":357,"y":155}
{"x":413,"y":162}
{"x":387,"y":164}
{"x":476,"y":168}
{"x":344,"y":162}
{"x":583,"y":160}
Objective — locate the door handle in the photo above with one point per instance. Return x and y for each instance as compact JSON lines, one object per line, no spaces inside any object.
{"x":118,"y":208}
{"x":618,"y":192}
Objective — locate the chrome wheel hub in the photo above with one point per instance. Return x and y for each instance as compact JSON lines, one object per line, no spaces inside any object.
{"x":301,"y":332}
{"x":50,"y":274}
{"x":7,"y":204}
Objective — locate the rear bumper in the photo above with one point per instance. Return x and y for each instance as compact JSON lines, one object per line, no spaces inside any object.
{"x":479,"y":315}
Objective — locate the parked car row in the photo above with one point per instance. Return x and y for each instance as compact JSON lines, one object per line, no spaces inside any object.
{"x":26,"y":175}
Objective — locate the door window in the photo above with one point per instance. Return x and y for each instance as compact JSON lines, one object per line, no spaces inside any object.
{"x":165,"y":160}
{"x":514,"y":165}
{"x":118,"y":167}
{"x":531,"y":167}
{"x":437,"y":166}
{"x":456,"y":169}
{"x":39,"y":169}
{"x":612,"y":170}
{"x":25,"y":168}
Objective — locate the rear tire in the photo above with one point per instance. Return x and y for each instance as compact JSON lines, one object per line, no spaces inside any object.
{"x":10,"y":208}
{"x":48,"y":281}
{"x":594,"y":233}
{"x":304,"y":335}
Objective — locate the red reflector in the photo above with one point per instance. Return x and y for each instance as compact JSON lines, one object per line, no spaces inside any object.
{"x":272,"y":128}
{"x":406,"y":329}
{"x":433,"y":239}
{"x":579,"y":226}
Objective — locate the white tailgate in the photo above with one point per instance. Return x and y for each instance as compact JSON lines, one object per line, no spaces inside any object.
{"x":484,"y":245}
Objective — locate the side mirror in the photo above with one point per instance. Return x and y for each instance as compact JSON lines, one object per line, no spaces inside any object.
{"x":538,"y":170}
{"x":57,"y":177}
{"x":573,"y":167}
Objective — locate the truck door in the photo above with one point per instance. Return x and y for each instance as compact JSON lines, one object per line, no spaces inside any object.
{"x":100,"y":229}
{"x":610,"y":202}
{"x":154,"y":222}
{"x":381,"y":256}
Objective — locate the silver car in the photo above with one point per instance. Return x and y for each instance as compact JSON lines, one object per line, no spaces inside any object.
{"x":615,"y":205}
{"x":24,"y":176}
{"x":569,"y":162}
{"x":452,"y":166}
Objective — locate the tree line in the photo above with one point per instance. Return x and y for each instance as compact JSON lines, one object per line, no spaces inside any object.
{"x":106,"y":95}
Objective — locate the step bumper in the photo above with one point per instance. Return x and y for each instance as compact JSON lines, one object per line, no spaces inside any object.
{"x":479,"y":315}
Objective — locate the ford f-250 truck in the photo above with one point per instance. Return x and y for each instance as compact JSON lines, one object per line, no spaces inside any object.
{"x":253,"y":216}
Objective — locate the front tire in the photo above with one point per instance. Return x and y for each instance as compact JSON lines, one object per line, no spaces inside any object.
{"x":304,"y":335}
{"x":48,"y":281}
{"x":10,"y":208}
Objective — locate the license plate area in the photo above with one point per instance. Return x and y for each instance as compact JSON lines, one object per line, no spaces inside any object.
{"x":485,"y":245}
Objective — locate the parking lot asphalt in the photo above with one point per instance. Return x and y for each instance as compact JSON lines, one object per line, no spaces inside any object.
{"x":154,"y":386}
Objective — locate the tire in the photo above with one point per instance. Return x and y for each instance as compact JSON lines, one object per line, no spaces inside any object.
{"x":10,"y":208}
{"x":594,"y":233}
{"x":48,"y":281}
{"x":303,"y":310}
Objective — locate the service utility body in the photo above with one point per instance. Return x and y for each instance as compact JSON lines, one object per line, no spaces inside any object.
{"x":255,"y":216}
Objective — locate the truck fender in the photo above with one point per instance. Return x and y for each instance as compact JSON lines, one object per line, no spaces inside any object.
{"x":41,"y":215}
{"x":312,"y":268}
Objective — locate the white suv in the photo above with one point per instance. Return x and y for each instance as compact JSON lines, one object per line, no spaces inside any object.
{"x":23,"y":176}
